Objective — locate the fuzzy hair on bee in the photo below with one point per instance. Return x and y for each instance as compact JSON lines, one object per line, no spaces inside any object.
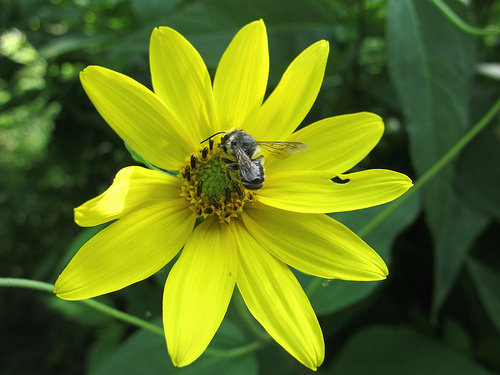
{"x":239,"y":153}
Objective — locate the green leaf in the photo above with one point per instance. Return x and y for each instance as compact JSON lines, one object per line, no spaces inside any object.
{"x":431,"y":64}
{"x":335,"y":295}
{"x":487,"y":352}
{"x":391,"y":350}
{"x":140,"y":159}
{"x":461,"y":228}
{"x":210,"y":25}
{"x":487,"y":282}
{"x":72,"y":43}
{"x":478,"y":175}
{"x":274,"y":360}
{"x":78,"y":312}
{"x":146,"y":353}
{"x":143,"y":353}
{"x":75,"y":245}
{"x":146,"y":10}
{"x":455,"y":335}
{"x":109,"y":338}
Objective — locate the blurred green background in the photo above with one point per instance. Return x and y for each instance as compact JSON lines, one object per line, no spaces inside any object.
{"x":439,"y":310}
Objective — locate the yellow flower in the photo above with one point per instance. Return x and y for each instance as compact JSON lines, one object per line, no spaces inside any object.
{"x":247,"y":237}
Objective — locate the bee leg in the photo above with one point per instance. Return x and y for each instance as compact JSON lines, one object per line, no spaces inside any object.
{"x":233,"y":167}
{"x":228,"y":194}
{"x":237,"y":188}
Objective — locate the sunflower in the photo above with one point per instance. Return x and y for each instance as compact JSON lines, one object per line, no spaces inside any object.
{"x":230,"y":233}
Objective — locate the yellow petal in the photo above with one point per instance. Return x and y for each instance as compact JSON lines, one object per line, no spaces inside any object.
{"x":313,"y":192}
{"x":139,"y":117}
{"x":294,"y":96}
{"x":132,"y":189}
{"x":130,"y":250}
{"x":198,"y":291}
{"x":314,"y":244}
{"x":181,"y":80}
{"x":241,"y":78}
{"x":276,"y":299}
{"x":335,"y":144}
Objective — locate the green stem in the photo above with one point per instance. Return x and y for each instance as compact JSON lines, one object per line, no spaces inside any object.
{"x":130,"y":319}
{"x":431,"y":172}
{"x":120,"y":315}
{"x":25,"y":283}
{"x":46,"y":287}
{"x":452,"y":16}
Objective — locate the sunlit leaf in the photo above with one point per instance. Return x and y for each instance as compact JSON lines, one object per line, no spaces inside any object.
{"x":71,"y":43}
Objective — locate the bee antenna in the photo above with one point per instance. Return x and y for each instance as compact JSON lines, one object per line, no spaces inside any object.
{"x":213,"y":135}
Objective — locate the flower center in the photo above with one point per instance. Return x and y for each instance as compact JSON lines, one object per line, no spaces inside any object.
{"x":211,"y":187}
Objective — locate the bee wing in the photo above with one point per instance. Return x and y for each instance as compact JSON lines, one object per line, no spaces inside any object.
{"x":248,"y":170}
{"x":282,"y":150}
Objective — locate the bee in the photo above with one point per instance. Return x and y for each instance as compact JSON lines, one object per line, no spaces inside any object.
{"x":241,"y":150}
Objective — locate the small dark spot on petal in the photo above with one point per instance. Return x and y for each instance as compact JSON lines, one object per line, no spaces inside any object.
{"x":338,"y":180}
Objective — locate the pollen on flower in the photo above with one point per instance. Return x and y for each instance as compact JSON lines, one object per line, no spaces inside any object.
{"x":210,"y":187}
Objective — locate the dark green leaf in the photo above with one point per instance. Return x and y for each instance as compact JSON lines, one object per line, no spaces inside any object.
{"x":110,"y":337}
{"x":487,"y":282}
{"x":210,"y":25}
{"x":487,"y":351}
{"x":75,"y":245}
{"x":146,"y":10}
{"x":274,"y":360}
{"x":456,"y":336}
{"x":146,"y":353}
{"x":431,"y":64}
{"x":143,"y":353}
{"x":478,"y":172}
{"x":391,"y":350}
{"x":334,"y":295}
{"x":460,"y":229}
{"x":78,"y":312}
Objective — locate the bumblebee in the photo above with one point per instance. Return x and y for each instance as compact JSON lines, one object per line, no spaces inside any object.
{"x":241,"y":150}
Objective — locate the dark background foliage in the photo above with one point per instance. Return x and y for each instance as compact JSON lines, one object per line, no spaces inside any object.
{"x":439,"y":310}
